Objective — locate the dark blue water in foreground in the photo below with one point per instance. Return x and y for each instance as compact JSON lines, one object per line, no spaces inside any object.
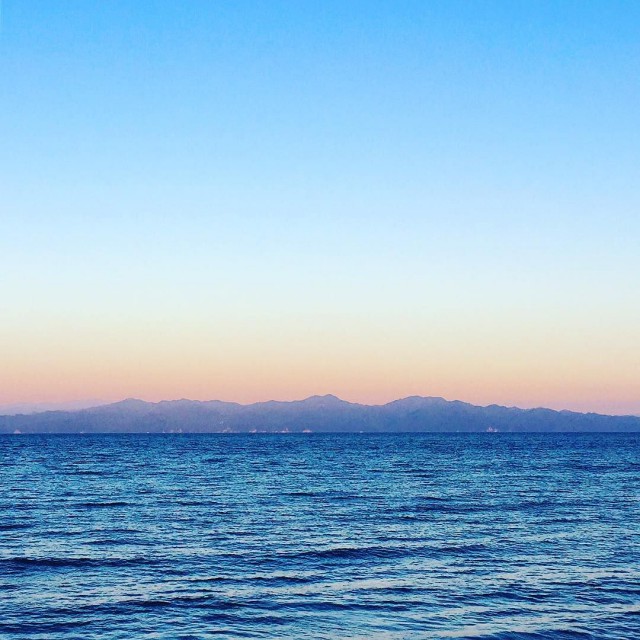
{"x":320,"y":536}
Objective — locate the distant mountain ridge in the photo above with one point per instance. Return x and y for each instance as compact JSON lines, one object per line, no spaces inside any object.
{"x":316,"y":414}
{"x":41,"y":407}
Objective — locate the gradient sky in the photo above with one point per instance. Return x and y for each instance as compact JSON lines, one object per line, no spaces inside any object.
{"x":254,"y":200}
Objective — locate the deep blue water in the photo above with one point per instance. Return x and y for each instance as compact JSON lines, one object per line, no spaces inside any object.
{"x":320,"y":536}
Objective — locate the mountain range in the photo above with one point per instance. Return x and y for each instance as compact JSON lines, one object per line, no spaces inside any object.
{"x":315,"y":414}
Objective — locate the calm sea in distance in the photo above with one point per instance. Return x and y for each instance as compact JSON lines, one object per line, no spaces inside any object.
{"x":491,"y":536}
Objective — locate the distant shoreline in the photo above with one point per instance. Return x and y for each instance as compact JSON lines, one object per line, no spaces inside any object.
{"x":317,"y":414}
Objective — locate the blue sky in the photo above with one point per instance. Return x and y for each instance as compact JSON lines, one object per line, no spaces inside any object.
{"x":273,"y":199}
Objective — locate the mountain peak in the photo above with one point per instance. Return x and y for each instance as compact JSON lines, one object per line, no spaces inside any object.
{"x":131,"y":405}
{"x":129,"y":402}
{"x":328,"y":399}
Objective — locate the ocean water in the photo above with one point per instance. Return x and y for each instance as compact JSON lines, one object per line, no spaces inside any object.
{"x":489,"y":536}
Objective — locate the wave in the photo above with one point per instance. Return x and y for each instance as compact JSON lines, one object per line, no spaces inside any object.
{"x":352,"y":553}
{"x":19,"y":562}
{"x":102,"y":505}
{"x":15,"y":526}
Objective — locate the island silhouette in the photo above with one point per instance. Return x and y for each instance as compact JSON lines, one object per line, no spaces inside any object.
{"x":326,"y":413}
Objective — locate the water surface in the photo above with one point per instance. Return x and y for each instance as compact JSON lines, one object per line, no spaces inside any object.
{"x":494,"y":536}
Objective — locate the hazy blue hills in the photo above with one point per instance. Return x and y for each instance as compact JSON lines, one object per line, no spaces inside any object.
{"x":317,"y":414}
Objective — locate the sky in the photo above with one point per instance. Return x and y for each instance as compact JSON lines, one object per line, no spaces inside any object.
{"x":252,"y":200}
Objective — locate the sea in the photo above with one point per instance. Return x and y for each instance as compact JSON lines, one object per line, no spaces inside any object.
{"x":196,"y":536}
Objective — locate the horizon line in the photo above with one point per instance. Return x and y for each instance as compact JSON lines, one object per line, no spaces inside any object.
{"x":80,"y":405}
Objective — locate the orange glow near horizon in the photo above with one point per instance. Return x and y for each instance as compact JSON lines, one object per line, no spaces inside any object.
{"x":515,"y":360}
{"x":354,"y":373}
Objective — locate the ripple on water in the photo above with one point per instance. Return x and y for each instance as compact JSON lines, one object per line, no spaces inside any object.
{"x":323,"y":536}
